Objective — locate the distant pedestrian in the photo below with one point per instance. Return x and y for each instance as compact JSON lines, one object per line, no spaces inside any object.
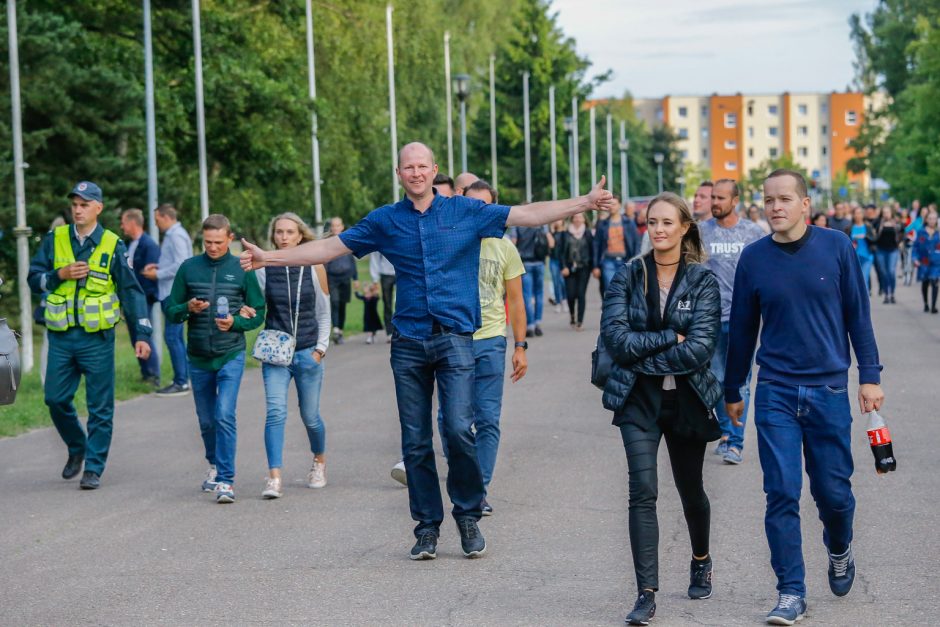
{"x":927,"y":260}
{"x":371,"y":322}
{"x":821,"y":220}
{"x":840,"y":220}
{"x":754,"y":215}
{"x":383,"y":274}
{"x":888,"y":235}
{"x":142,"y":251}
{"x":662,"y":314}
{"x":615,"y":241}
{"x":82,"y":270}
{"x":343,"y":277}
{"x":577,"y":258}
{"x":702,"y":202}
{"x":444,"y":185}
{"x":463,"y":181}
{"x":216,"y":344}
{"x":297,"y":302}
{"x":176,"y":248}
{"x":533,"y":244}
{"x":862,"y":235}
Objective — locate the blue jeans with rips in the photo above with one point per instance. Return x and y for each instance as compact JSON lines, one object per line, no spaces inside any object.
{"x":793,"y":422}
{"x":735,"y":435}
{"x":308,"y":376}
{"x":216,"y":394}
{"x":416,"y":364}
{"x":533,"y":288}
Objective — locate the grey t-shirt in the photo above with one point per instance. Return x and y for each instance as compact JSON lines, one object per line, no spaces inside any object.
{"x":724,"y":247}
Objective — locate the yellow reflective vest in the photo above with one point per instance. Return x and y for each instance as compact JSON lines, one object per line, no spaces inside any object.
{"x":93,"y":304}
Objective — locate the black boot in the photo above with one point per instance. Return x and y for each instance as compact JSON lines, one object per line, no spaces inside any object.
{"x":73,"y":466}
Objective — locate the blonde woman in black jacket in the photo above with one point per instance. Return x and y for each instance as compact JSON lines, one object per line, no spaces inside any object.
{"x":662,"y":314}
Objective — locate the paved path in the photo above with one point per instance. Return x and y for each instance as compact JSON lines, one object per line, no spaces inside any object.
{"x":150,"y":548}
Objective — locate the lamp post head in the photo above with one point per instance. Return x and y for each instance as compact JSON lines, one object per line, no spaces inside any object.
{"x":658,"y":158}
{"x":624,"y":145}
{"x":569,"y":124}
{"x":462,"y":86}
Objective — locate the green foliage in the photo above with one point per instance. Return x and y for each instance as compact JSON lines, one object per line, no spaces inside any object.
{"x":752,"y":186}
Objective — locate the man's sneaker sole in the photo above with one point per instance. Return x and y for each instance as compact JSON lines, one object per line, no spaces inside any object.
{"x":225,"y":498}
{"x":400,"y":476}
{"x":423,"y":555}
{"x":780,"y":620}
{"x":271,"y":494}
{"x":172,"y":394}
{"x":475,"y":554}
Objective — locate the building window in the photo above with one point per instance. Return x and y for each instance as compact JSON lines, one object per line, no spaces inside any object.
{"x":851,"y":118}
{"x":823,"y":108}
{"x":802,"y":131}
{"x":750,"y":152}
{"x":704,"y":153}
{"x":731,"y":120}
{"x":704,"y":110}
{"x":772,"y":131}
{"x":825,"y":151}
{"x":683,"y":112}
{"x":704,"y":133}
{"x":802,"y":109}
{"x":773,"y":153}
{"x":683,"y":133}
{"x":772,"y":109}
{"x":659,"y":113}
{"x":802,"y":151}
{"x":750,"y":109}
{"x":684,"y":155}
{"x":750,"y":131}
{"x":731,"y":166}
{"x":730,"y":144}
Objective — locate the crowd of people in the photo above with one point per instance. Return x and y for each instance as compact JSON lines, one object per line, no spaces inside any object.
{"x":685,"y":296}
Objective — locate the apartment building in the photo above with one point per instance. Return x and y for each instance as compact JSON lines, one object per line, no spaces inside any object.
{"x":732,"y":135}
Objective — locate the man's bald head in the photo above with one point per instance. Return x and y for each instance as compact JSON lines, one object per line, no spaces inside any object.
{"x":463,"y":181}
{"x":415,"y":150}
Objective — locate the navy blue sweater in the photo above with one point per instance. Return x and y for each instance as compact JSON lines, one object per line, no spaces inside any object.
{"x":811,"y":302}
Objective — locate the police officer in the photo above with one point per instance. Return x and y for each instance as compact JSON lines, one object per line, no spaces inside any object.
{"x":83,"y":270}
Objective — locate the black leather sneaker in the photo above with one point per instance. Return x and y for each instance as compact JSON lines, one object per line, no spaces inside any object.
{"x":90,"y":481}
{"x":426,"y":546}
{"x":644,"y":610}
{"x":471,"y":540}
{"x":73,"y":466}
{"x":700,"y":579}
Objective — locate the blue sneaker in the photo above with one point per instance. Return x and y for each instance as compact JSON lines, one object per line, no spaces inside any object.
{"x":722,"y":447}
{"x":841,"y":572}
{"x":733,"y":456}
{"x":790,"y":608}
{"x":224,"y":493}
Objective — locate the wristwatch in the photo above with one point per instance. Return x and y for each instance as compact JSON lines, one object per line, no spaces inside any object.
{"x":322,"y":353}
{"x":523,"y":345}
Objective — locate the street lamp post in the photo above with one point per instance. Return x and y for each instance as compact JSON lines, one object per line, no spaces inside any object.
{"x":624,"y":145}
{"x":462,"y":89}
{"x":200,"y":114}
{"x":392,"y":115}
{"x":528,"y":145}
{"x":569,"y":130}
{"x":495,"y":177}
{"x":551,"y":132}
{"x":574,"y":143}
{"x":658,"y":158}
{"x":314,"y":133}
{"x":610,"y":153}
{"x":450,"y":110}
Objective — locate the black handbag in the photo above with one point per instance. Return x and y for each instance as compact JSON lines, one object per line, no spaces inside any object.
{"x":601,"y":361}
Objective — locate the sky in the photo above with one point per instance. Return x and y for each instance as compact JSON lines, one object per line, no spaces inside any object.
{"x":698,"y":47}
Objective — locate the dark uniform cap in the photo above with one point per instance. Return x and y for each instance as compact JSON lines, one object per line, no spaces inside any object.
{"x":88,"y":191}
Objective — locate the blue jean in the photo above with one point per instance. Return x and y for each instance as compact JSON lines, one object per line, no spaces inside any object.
{"x":489,"y":370}
{"x":216,"y":394}
{"x":308,"y":376}
{"x":176,"y":346}
{"x":609,"y":267}
{"x":533,"y":287}
{"x":734,"y":435}
{"x":558,"y":281}
{"x":448,"y":358}
{"x":886,"y":263}
{"x":792,"y":422}
{"x":150,"y":367}
{"x":866,"y":264}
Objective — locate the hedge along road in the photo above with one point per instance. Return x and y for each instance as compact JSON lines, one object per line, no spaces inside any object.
{"x":150,"y":547}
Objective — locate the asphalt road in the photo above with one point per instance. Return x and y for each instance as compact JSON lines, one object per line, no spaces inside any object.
{"x":149,"y":547}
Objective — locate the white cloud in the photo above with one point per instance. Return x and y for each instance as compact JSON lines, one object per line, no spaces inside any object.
{"x":706,"y":46}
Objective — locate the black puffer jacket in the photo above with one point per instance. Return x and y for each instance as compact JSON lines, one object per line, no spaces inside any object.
{"x":694,"y":311}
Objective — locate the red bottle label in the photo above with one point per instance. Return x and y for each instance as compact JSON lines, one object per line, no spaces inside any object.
{"x":877,"y":437}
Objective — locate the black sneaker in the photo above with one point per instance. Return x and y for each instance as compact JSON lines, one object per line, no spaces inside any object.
{"x":426,"y":546}
{"x":529,"y":332}
{"x":471,"y":540}
{"x":644,"y":610}
{"x":486,"y":508}
{"x":841,"y":573}
{"x":538,"y":331}
{"x":700,"y":579}
{"x":73,"y":466}
{"x":90,"y":481}
{"x":174,"y":389}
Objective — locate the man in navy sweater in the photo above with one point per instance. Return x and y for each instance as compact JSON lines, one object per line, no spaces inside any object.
{"x":806,"y":285}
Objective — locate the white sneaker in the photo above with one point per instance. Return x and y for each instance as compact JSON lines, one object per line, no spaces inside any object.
{"x":316,"y":478}
{"x":564,"y":306}
{"x":209,"y":483}
{"x":272,"y":488}
{"x":398,"y":473}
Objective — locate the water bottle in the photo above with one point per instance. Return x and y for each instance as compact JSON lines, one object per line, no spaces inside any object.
{"x":880,"y":440}
{"x":221,"y":307}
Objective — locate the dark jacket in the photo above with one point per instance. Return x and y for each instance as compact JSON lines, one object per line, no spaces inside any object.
{"x":631,"y":239}
{"x":694,"y":311}
{"x":575,"y":254}
{"x":147,"y":251}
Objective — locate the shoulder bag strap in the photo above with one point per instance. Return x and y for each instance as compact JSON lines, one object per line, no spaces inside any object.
{"x":300,"y":278}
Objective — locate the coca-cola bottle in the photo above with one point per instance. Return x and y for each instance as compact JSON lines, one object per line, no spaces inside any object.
{"x":880,"y":440}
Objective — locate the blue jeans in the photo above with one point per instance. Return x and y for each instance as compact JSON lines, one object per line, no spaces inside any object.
{"x":558,"y":281}
{"x":735,"y":435}
{"x":216,"y":393}
{"x":308,"y":376}
{"x":886,"y":263}
{"x":533,"y":286}
{"x":792,"y":422}
{"x":609,"y":267}
{"x":150,"y":367}
{"x":866,"y":264}
{"x":173,"y":337}
{"x":490,"y":368}
{"x":416,"y":364}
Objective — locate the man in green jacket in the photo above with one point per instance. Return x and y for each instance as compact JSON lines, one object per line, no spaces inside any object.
{"x":208,"y":292}
{"x":82,"y":269}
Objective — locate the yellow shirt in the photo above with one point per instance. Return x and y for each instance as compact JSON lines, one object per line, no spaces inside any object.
{"x":499,"y":262}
